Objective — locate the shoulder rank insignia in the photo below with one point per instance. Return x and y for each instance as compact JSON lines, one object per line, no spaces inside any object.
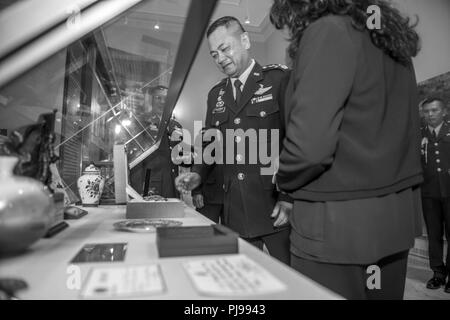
{"x":275,"y":66}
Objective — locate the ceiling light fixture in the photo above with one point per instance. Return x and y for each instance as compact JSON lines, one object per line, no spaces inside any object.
{"x":247,"y":17}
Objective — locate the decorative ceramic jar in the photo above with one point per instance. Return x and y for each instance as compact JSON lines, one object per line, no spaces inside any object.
{"x":25,"y":209}
{"x":90,"y":186}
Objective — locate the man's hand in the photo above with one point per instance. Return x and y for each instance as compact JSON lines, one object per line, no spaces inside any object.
{"x":281,"y":212}
{"x":197,"y":200}
{"x":276,"y":166}
{"x":187,"y":181}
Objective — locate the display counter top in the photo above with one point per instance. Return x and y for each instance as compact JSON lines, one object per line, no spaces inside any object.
{"x":47,"y":268}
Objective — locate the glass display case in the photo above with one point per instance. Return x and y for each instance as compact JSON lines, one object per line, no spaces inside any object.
{"x":95,"y":63}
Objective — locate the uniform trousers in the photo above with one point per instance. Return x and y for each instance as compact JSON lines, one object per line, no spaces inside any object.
{"x":436,"y":213}
{"x":243,"y":203}
{"x":350,"y":281}
{"x":212,"y":211}
{"x":276,"y":243}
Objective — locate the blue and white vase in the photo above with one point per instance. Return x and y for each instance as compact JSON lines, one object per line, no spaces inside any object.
{"x":90,"y":186}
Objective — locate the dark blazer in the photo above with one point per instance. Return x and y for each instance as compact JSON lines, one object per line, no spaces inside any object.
{"x":351,"y":156}
{"x":436,"y":162}
{"x":249,"y":197}
{"x":352,"y":118}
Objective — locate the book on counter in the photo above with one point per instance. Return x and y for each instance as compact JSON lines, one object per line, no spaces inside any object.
{"x":155,"y":209}
{"x":198,"y":240}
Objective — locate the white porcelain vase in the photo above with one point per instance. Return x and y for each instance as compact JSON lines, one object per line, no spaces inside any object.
{"x":25,"y":209}
{"x":90,"y":186}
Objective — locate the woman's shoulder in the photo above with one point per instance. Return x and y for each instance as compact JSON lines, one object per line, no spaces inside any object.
{"x":331,"y":21}
{"x":332,"y":26}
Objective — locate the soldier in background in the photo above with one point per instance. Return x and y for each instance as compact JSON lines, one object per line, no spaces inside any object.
{"x":436,"y":188}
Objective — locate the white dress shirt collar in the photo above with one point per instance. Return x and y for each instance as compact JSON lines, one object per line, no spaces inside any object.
{"x":243,"y":77}
{"x":437,"y":129}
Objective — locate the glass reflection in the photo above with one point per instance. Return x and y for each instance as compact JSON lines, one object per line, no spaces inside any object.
{"x":109,"y":252}
{"x":104,"y":88}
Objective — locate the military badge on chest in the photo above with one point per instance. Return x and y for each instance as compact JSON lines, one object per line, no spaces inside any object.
{"x":220,"y":105}
{"x":424,"y":148}
{"x":262,"y":94}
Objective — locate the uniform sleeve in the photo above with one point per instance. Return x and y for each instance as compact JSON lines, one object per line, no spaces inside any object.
{"x":175,"y":131}
{"x":323,"y":77}
{"x":196,"y":191}
{"x":203,"y":169}
{"x":284,"y":197}
{"x":282,"y":105}
{"x":282,"y":101}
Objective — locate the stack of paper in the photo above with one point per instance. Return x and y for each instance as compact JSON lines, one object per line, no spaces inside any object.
{"x":124,"y":281}
{"x":231,"y":276}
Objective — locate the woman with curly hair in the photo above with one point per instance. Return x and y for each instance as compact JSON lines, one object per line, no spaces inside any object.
{"x":351,"y":156}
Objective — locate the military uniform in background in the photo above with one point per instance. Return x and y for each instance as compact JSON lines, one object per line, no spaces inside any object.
{"x":156,"y":174}
{"x":436,"y":194}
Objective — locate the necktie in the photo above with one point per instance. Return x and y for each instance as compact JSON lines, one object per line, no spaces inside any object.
{"x":434,"y":134}
{"x":237,"y":85}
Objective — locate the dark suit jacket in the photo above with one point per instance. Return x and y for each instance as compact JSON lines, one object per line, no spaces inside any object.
{"x":436,"y":162}
{"x":351,"y":157}
{"x":249,"y":197}
{"x":353,"y":128}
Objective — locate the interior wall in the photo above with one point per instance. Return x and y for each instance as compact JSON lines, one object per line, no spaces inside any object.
{"x":434,"y":29}
{"x":203,"y":75}
{"x":131,"y":40}
{"x":275,"y":47}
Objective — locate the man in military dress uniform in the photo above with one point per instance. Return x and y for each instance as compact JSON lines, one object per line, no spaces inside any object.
{"x":155,"y":175}
{"x":251,"y":97}
{"x":436,"y":188}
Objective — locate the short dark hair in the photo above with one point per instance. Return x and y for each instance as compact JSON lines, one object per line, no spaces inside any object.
{"x":432,"y":99}
{"x":226,"y":22}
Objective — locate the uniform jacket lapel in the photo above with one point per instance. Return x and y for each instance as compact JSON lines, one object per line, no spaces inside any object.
{"x":443,"y":132}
